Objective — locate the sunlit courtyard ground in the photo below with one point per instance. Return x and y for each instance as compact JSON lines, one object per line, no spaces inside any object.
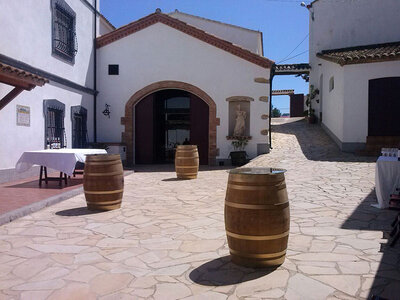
{"x":168,"y":239}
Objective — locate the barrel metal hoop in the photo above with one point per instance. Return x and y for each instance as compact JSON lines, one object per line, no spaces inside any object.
{"x":104,"y":203}
{"x":255,"y":187}
{"x":104,"y":192}
{"x":98,"y":163}
{"x":105,"y":174}
{"x":256,"y":255}
{"x":257,"y":237}
{"x":185,"y":167}
{"x":193,"y":157}
{"x":257,"y":206}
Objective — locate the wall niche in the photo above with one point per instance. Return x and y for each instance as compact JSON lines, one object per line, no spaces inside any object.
{"x":239,"y":109}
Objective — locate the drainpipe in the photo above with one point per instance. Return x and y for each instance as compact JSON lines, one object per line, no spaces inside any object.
{"x":95,"y":73}
{"x":270,"y":104}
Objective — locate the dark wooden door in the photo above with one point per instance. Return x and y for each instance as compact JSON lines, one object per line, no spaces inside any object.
{"x":144,"y":122}
{"x":384,"y":107}
{"x":296,"y":105}
{"x":199,"y":114}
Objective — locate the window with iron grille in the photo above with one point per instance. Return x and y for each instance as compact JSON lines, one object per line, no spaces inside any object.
{"x":54,"y":112}
{"x":64,"y":34}
{"x":79,"y":127}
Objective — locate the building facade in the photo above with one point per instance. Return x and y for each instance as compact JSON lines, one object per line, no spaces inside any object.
{"x":47,"y":83}
{"x":165,"y":81}
{"x":355,"y":69}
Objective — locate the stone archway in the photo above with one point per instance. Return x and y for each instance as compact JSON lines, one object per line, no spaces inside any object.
{"x":127,"y":120}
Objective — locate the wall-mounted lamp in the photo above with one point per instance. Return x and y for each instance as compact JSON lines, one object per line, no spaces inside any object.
{"x":106,"y":111}
{"x":309,"y":7}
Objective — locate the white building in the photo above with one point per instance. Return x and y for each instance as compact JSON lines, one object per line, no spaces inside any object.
{"x":46,"y":76}
{"x":50,"y":89}
{"x":165,"y":78}
{"x":354,"y":58}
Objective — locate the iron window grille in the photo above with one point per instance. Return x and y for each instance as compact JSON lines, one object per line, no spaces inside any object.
{"x":54,"y":112}
{"x":64,"y":30}
{"x":79,"y":127}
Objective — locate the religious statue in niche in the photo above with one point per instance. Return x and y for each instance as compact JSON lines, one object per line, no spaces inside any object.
{"x":240,"y":124}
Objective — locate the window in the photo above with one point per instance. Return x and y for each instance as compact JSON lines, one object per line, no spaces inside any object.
{"x":79,"y":126}
{"x":54,"y":112}
{"x":113,"y":69}
{"x":331,"y":83}
{"x":64,"y":36}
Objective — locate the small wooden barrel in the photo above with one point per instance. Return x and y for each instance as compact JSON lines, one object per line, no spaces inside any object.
{"x":103,"y":181}
{"x":257,"y":216}
{"x":186,"y":161}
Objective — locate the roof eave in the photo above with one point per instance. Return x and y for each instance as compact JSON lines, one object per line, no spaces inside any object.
{"x":187,"y":29}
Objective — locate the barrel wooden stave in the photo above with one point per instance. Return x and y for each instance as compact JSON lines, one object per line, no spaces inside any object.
{"x":257,"y":219}
{"x":186,"y":161}
{"x":103,"y":182}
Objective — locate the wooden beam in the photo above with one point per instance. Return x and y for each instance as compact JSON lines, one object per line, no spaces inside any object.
{"x":10,"y":80}
{"x":10,"y":96}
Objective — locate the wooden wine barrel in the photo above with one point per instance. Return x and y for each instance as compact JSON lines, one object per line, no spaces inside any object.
{"x":257,"y":216}
{"x":103,"y":181}
{"x":186,"y":161}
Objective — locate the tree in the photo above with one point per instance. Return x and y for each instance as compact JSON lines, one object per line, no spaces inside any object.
{"x":276,"y":113}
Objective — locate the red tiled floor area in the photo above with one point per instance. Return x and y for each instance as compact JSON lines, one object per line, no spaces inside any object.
{"x":16,"y":194}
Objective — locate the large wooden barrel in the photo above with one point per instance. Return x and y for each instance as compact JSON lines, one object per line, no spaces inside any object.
{"x":103,"y":181}
{"x":186,"y":161}
{"x":257,"y":216}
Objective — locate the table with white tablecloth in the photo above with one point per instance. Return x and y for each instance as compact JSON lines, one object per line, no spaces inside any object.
{"x":387,"y":179}
{"x":63,"y":160}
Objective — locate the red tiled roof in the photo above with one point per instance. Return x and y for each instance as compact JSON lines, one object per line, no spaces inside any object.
{"x":185,"y":28}
{"x":293,"y":68}
{"x":18,"y":77}
{"x":363,"y":54}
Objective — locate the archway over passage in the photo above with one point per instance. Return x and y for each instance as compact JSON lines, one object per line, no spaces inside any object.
{"x":164,"y":114}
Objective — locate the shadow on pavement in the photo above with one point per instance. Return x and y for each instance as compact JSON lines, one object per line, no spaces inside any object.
{"x":171,"y":168}
{"x":77,"y":211}
{"x":50,"y":185}
{"x":221,"y":272}
{"x":366,"y":217}
{"x":314,"y":142}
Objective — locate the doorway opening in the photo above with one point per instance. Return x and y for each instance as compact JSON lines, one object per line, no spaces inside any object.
{"x":166,"y":119}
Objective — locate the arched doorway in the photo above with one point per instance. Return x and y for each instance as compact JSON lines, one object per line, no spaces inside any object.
{"x":191,"y":113}
{"x":168,"y":118}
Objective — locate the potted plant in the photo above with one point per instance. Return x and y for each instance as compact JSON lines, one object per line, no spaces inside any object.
{"x":239,"y":156}
{"x":311,"y":118}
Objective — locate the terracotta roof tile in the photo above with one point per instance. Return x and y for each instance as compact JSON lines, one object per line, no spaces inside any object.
{"x":304,"y":67}
{"x":185,"y":28}
{"x":21,"y":75}
{"x":363,"y":54}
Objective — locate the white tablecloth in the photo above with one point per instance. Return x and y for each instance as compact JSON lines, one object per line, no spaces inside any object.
{"x":387,"y":178}
{"x":63,"y":160}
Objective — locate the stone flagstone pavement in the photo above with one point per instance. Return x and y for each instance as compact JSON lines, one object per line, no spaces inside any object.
{"x":168,"y":239}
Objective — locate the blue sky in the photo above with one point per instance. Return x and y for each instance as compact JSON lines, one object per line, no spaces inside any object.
{"x":284,"y":24}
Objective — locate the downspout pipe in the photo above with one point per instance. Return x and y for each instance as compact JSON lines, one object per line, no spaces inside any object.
{"x":95,"y":73}
{"x":270,"y":104}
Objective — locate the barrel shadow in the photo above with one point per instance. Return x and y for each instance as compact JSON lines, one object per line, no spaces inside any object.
{"x":77,"y":211}
{"x":174,"y":179}
{"x":221,"y":272}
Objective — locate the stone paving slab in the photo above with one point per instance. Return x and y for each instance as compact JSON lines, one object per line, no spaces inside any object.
{"x":168,"y":239}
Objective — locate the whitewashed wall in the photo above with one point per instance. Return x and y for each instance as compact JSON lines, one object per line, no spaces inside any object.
{"x":341,"y":24}
{"x":104,"y":27}
{"x":356,"y":78}
{"x":26,"y":26}
{"x":246,"y":38}
{"x":332,"y":101}
{"x":159,"y":53}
